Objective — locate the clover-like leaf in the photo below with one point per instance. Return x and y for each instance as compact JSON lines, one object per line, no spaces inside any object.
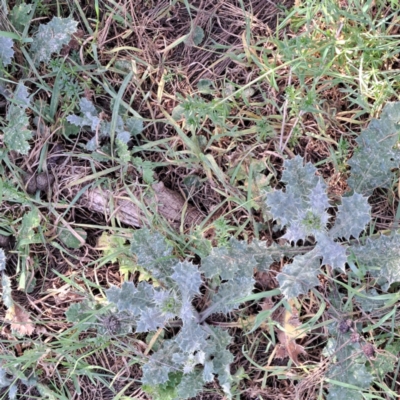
{"x":51,"y":37}
{"x":300,"y":276}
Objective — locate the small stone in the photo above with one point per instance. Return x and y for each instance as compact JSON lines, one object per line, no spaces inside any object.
{"x":4,"y":241}
{"x":56,"y":156}
{"x":30,"y":182}
{"x":44,"y":180}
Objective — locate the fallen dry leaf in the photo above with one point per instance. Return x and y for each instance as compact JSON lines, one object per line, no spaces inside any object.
{"x":287,"y":347}
{"x":19,"y":320}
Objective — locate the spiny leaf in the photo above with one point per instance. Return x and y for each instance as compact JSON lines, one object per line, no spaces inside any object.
{"x":351,"y":373}
{"x":150,"y":320}
{"x":131,"y":298}
{"x":375,"y":156}
{"x":225,"y":300}
{"x":381,"y":257}
{"x":159,"y":365}
{"x":153,"y":253}
{"x":221,"y":357}
{"x":188,"y":278}
{"x":190,"y":386}
{"x":230,"y":261}
{"x":300,"y":276}
{"x":353,"y":215}
{"x":302,"y":207}
{"x":368,"y":304}
{"x":4,"y":381}
{"x":21,"y":96}
{"x":6,"y":50}
{"x":51,"y":37}
{"x":6,"y":290}
{"x":2,"y":260}
{"x":89,"y":116}
{"x":16,"y":133}
{"x":78,"y":312}
{"x":333,"y":254}
{"x":167,"y":391}
{"x":134,"y":126}
{"x":337,"y":392}
{"x":191,"y":337}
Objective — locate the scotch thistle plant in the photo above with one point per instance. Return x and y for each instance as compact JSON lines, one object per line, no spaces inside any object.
{"x":199,"y":351}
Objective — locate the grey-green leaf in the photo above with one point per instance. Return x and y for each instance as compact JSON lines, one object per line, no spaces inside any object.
{"x":2,"y":260}
{"x":352,"y":373}
{"x":332,"y":253}
{"x":51,"y":37}
{"x":20,"y":16}
{"x":131,"y":298}
{"x":302,"y":207}
{"x":6,"y":50}
{"x":4,"y":381}
{"x":375,"y":156}
{"x":225,"y":300}
{"x":21,"y":96}
{"x":381,"y":257}
{"x":153,"y":253}
{"x":134,"y":126}
{"x":159,"y":365}
{"x":16,"y":133}
{"x":300,"y":276}
{"x":191,"y":338}
{"x":353,"y":215}
{"x":190,"y":386}
{"x":188,"y":278}
{"x":234,"y":259}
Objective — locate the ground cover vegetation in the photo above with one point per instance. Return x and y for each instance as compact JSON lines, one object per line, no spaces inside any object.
{"x":199,"y":199}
